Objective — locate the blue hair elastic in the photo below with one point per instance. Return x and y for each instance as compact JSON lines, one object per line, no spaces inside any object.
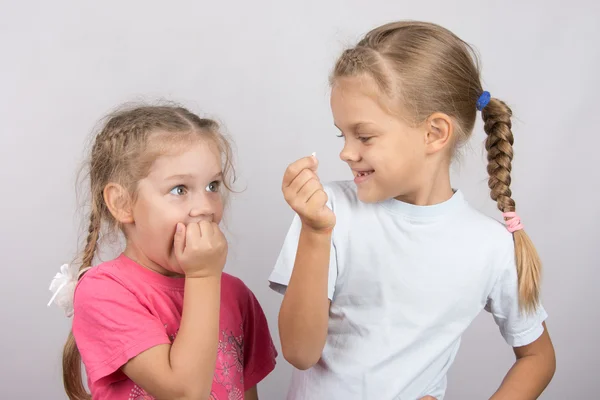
{"x":483,"y":100}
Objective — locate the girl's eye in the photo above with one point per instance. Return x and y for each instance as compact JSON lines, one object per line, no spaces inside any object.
{"x":213,"y":186}
{"x":178,"y":190}
{"x":364,"y":139}
{"x":341,"y":135}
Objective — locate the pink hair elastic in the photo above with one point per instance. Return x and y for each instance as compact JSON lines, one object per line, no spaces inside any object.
{"x":512,"y":221}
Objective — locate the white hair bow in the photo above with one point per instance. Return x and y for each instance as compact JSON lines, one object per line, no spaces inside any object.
{"x":63,"y":286}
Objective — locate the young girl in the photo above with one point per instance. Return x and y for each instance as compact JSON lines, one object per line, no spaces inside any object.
{"x":375,"y":307}
{"x":157,"y":173}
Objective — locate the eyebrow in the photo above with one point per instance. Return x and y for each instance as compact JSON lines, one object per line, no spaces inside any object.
{"x":356,"y":126}
{"x":218,"y":175}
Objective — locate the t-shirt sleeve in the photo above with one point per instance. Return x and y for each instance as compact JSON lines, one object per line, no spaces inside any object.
{"x":281,"y":274}
{"x":519,"y":328}
{"x":259,"y":351}
{"x":110,"y":325}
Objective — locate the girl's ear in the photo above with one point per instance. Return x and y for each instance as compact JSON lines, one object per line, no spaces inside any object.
{"x":440,"y":129}
{"x":118,"y":201}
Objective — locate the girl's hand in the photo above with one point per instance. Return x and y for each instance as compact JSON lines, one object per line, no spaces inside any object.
{"x":201,"y":249}
{"x":428,"y":398}
{"x":303,"y":191}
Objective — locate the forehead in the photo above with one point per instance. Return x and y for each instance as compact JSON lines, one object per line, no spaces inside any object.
{"x":358,"y":99}
{"x":199,"y":157}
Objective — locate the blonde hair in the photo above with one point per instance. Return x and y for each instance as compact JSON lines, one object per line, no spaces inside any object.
{"x":122,"y":152}
{"x":427,"y":69}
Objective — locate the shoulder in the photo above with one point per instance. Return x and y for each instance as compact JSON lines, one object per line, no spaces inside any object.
{"x":235,"y":291}
{"x":234,"y":284}
{"x":234,"y":288}
{"x":106,"y":300}
{"x":485,"y":232}
{"x":106,"y":280}
{"x":489,"y":241}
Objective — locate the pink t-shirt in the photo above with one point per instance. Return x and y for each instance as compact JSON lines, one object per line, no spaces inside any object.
{"x":122,"y":309}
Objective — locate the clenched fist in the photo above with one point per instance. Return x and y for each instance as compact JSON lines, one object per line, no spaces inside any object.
{"x":200,"y":249}
{"x":303,"y":191}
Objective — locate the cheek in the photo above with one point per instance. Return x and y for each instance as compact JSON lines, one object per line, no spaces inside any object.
{"x":398,"y":159}
{"x":162,"y":215}
{"x":142,"y":212}
{"x":408,"y":149}
{"x":218,"y":210}
{"x":170,"y":216}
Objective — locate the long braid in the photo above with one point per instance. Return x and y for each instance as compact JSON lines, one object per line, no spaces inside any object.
{"x":500,"y":153}
{"x":72,"y":378}
{"x":92,"y":239}
{"x":497,"y":124}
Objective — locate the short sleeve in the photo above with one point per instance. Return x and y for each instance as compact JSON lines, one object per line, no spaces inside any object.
{"x":110,"y":325}
{"x":281,"y":274}
{"x":518,"y":328}
{"x":259,"y":351}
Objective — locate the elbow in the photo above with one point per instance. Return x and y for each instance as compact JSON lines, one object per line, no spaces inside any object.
{"x":548,"y":360}
{"x":551,"y":365}
{"x":300,"y":358}
{"x":302,"y":343}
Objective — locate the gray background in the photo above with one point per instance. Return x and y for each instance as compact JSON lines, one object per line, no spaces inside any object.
{"x":261,"y":67}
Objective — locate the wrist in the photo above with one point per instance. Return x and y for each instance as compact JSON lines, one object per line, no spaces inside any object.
{"x":323,"y":232}
{"x":203,"y":277}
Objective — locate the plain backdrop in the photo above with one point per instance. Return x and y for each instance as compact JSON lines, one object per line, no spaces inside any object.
{"x":261,"y":68}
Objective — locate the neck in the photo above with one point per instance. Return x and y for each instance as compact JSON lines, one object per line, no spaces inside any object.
{"x":136,"y":254}
{"x":436,"y":187}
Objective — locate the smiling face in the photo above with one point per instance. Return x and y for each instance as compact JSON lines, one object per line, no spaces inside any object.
{"x":386,"y":155}
{"x":183,"y":185}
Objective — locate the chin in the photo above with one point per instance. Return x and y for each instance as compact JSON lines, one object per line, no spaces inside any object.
{"x":370,"y":196}
{"x":167,"y":264}
{"x":172,"y":267}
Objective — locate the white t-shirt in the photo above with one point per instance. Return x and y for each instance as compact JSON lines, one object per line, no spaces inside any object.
{"x":405,"y":282}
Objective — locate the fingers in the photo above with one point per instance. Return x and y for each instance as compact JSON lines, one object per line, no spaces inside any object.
{"x":300,"y":181}
{"x":294,"y":169}
{"x":311,"y":187}
{"x":179,"y":240}
{"x":192,"y":235}
{"x":318,"y":200}
{"x":206,"y":229}
{"x":219,"y":237}
{"x":216,"y":230}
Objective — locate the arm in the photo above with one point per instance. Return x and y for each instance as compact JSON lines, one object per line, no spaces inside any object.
{"x":304,"y":314}
{"x":185,"y":369}
{"x":532,"y":371}
{"x":251,"y":394}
